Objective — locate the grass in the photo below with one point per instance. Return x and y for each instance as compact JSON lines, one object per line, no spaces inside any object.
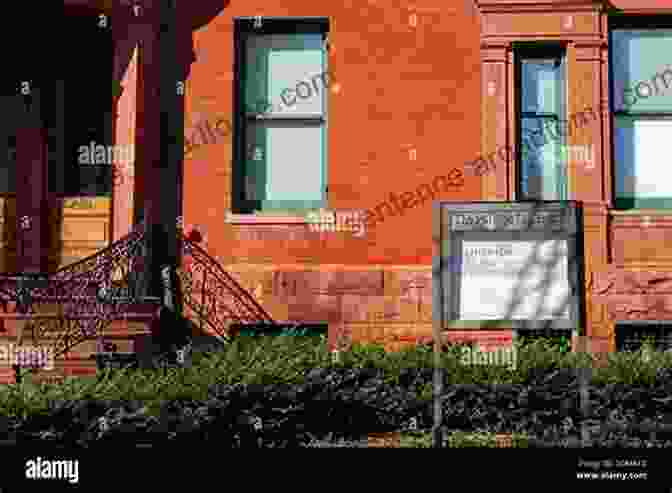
{"x":287,"y":359}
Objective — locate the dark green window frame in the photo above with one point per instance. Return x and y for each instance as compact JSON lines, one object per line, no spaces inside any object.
{"x":247,"y":114}
{"x":627,"y":108}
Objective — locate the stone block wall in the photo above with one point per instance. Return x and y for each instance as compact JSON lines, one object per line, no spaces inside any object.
{"x":390,"y":304}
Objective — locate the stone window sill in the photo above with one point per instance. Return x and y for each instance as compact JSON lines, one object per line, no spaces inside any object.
{"x":642,"y":212}
{"x":265,"y":218}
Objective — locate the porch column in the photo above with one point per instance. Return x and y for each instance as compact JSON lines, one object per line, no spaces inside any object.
{"x":32,"y":234}
{"x":160,"y":123}
{"x":56,"y":174}
{"x":124,"y":103}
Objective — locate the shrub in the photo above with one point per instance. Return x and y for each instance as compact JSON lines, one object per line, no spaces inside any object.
{"x":288,"y":359}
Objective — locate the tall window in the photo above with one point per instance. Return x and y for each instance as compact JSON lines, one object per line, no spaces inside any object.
{"x":642,"y":124}
{"x":542,"y":162}
{"x":281,"y":102}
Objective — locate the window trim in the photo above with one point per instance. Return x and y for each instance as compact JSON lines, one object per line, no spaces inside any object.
{"x":240,"y":206}
{"x":642,"y":22}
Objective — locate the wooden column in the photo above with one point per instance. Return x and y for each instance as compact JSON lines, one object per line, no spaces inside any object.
{"x":160,"y":131}
{"x":31,"y":188}
{"x":148,"y":122}
{"x":124,"y":104}
{"x":57,"y":177}
{"x":172,"y":131}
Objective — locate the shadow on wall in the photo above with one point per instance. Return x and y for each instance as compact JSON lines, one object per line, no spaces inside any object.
{"x":191,"y":16}
{"x":203,"y":12}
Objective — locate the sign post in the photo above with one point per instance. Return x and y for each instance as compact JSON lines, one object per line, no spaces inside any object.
{"x":504,"y":266}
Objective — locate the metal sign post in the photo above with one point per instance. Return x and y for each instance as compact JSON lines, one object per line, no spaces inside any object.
{"x":509,"y":266}
{"x":437,"y":326}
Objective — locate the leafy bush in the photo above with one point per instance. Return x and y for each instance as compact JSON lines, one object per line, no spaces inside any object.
{"x":372,"y":386}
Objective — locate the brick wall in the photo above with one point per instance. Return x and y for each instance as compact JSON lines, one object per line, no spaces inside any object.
{"x":407,"y":109}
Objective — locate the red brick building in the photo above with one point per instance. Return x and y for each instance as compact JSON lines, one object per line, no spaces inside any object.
{"x":399,"y":123}
{"x":412,"y":112}
{"x":409,"y":110}
{"x":288,"y":108}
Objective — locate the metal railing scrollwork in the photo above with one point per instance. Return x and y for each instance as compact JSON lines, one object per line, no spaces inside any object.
{"x":77,"y":302}
{"x":213,"y":296}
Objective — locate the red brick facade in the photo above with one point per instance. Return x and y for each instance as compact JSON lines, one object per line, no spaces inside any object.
{"x":416,"y":91}
{"x":404,"y":107}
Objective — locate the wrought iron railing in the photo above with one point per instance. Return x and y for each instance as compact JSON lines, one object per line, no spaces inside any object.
{"x":83,"y":298}
{"x":78,"y":301}
{"x":213,"y":296}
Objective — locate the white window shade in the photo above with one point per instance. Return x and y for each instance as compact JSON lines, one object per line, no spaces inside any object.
{"x":286,"y":158}
{"x":642,"y":150}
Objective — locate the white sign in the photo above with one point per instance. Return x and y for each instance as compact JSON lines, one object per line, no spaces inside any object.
{"x":533,"y":274}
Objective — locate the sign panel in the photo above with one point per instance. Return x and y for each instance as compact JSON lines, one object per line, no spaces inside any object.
{"x":509,"y":220}
{"x":519,"y":264}
{"x":504,"y":280}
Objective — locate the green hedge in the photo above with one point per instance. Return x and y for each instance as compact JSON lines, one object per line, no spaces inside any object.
{"x":289,"y":359}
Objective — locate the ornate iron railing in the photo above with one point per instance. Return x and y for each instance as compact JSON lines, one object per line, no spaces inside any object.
{"x":213,"y":296}
{"x":77,"y":302}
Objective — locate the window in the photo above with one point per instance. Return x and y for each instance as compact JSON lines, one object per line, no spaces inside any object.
{"x":642,"y":121}
{"x":542,"y":162}
{"x":280,"y":104}
{"x":630,"y":336}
